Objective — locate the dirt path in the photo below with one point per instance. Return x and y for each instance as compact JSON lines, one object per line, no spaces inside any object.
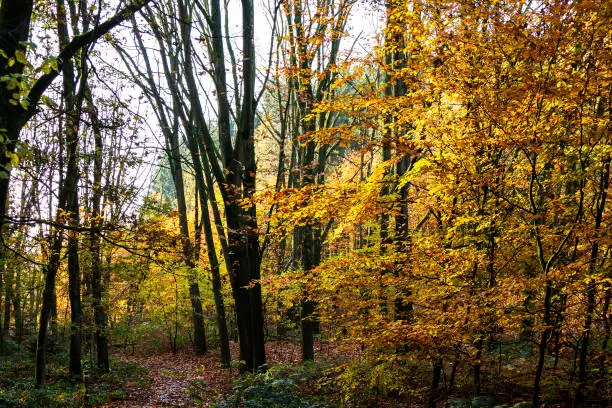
{"x":175,"y":378}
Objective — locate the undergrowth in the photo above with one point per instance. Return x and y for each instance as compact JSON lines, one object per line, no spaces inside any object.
{"x":279,"y":387}
{"x":18,"y":388}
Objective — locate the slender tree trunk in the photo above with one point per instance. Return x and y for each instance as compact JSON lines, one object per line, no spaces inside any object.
{"x":435,"y":383}
{"x":8,"y":297}
{"x":73,"y":107}
{"x":542,"y":345}
{"x":170,"y":126}
{"x":218,"y":296}
{"x":603,"y":367}
{"x":97,"y":286}
{"x":48,"y":305}
{"x":591,"y":285}
{"x":2,"y":276}
{"x":477,"y":365}
{"x":17,"y":312}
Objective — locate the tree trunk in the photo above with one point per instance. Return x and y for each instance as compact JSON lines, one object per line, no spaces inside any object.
{"x":97,"y":286}
{"x":591,"y":285}
{"x":542,"y":345}
{"x":8,"y":298}
{"x":73,"y":105}
{"x":435,"y":383}
{"x":48,"y":304}
{"x":15,"y":18}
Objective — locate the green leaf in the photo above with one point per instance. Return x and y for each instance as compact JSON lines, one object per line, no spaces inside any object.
{"x":20,"y":56}
{"x":54,"y":64}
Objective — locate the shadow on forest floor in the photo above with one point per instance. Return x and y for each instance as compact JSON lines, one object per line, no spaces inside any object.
{"x":183,"y":379}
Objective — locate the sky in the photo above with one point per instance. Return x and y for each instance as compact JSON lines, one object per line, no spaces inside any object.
{"x":365,"y":22}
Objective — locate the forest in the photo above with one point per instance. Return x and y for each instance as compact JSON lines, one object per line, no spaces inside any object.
{"x":305,"y":203}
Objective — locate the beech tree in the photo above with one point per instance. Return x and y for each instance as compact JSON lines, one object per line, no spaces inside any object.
{"x":435,"y":205}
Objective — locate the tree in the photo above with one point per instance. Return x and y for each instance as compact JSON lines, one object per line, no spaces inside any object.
{"x":18,"y":107}
{"x":15,"y":18}
{"x":496,"y":106}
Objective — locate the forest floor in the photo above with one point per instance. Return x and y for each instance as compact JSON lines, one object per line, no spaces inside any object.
{"x":177,"y":378}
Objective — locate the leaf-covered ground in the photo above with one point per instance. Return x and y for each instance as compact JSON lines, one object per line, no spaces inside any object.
{"x":177,"y":378}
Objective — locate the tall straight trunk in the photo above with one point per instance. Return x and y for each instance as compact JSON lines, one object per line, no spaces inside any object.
{"x":217,"y":293}
{"x":48,"y":303}
{"x":237,"y":181}
{"x":170,"y":127}
{"x":73,"y":107}
{"x":434,"y":393}
{"x":97,"y":286}
{"x":245,"y":153}
{"x":403,"y":307}
{"x":9,"y":275}
{"x":2,"y":275}
{"x":308,"y":263}
{"x":74,"y":286}
{"x":48,"y":309}
{"x":74,"y":271}
{"x":385,"y":240}
{"x":17,"y":312}
{"x":603,"y":367}
{"x":591,"y":285}
{"x":543,"y":343}
{"x":188,"y":252}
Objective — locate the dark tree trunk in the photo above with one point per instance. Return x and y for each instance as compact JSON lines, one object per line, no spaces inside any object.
{"x":435,"y":383}
{"x":194,"y":290}
{"x":240,"y":167}
{"x":542,"y":345}
{"x":15,"y":18}
{"x":97,"y":286}
{"x":73,"y":110}
{"x":48,"y":306}
{"x":8,"y":297}
{"x":591,"y":285}
{"x":17,"y":312}
{"x":476,"y":366}
{"x":206,"y":194}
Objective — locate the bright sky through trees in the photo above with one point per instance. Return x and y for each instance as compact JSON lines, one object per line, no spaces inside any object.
{"x":305,"y":203}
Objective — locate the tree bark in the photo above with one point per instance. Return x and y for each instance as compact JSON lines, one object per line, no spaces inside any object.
{"x":97,"y":286}
{"x":591,"y":284}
